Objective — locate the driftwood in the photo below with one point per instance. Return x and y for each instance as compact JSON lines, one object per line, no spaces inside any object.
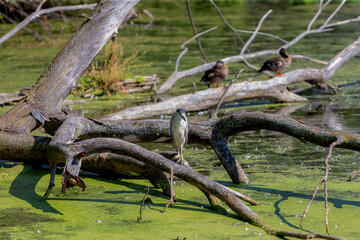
{"x":274,"y":89}
{"x":7,"y":98}
{"x":244,"y":57}
{"x":149,"y":82}
{"x":76,"y":139}
{"x":67,"y":68}
{"x":211,"y":132}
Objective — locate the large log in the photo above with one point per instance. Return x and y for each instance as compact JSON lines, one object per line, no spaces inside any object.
{"x":60,"y":78}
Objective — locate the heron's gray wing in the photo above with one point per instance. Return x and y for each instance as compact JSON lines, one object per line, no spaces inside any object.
{"x":172,"y":133}
{"x":186,"y":135}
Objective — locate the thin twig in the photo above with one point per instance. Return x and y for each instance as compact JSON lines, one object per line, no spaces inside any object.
{"x":265,"y":34}
{"x":310,"y":59}
{"x":142,"y":205}
{"x":321,"y":7}
{"x":172,"y":192}
{"x":195,"y":31}
{"x":194,"y":87}
{"x":214,"y":114}
{"x":40,"y":5}
{"x":185,"y":50}
{"x":343,"y":22}
{"x":246,"y":45}
{"x":196,"y":36}
{"x":340,"y":140}
{"x":36,"y":14}
{"x":179,"y":58}
{"x":227,"y":24}
{"x":353,"y":175}
{"x":333,"y":14}
{"x":35,"y":34}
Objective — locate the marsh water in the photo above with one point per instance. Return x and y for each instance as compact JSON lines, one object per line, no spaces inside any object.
{"x":283,"y":171}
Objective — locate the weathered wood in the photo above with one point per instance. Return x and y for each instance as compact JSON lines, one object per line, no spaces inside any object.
{"x":7,"y":98}
{"x":242,"y":57}
{"x":274,"y":89}
{"x":66,"y":69}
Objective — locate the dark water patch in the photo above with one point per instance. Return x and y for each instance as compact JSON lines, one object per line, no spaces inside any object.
{"x":23,"y":187}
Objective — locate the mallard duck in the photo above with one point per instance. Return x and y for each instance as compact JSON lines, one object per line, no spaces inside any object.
{"x":277,"y":64}
{"x":217,"y":74}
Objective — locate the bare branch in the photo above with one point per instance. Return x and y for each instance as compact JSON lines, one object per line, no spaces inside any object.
{"x":334,"y":13}
{"x":310,"y":59}
{"x":36,"y":14}
{"x":214,"y":115}
{"x":265,"y":34}
{"x":35,"y":34}
{"x":40,"y":5}
{"x":246,"y":45}
{"x":354,"y":175}
{"x":339,"y":141}
{"x":241,"y":57}
{"x":179,"y":58}
{"x":321,"y":7}
{"x":343,"y":22}
{"x":226,"y":23}
{"x":196,"y":36}
{"x":195,"y":31}
{"x":142,"y":205}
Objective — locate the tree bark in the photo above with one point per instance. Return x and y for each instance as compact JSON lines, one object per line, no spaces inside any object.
{"x":274,"y":89}
{"x":66,"y":69}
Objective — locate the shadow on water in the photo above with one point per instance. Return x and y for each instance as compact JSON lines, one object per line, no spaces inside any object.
{"x":285,"y":195}
{"x":180,"y":204}
{"x":23,"y":187}
{"x":158,"y":193}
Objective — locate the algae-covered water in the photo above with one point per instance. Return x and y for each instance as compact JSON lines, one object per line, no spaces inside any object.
{"x":283,"y":171}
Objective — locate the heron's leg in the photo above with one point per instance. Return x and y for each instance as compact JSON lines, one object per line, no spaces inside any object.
{"x":172,"y":192}
{"x":52,"y":180}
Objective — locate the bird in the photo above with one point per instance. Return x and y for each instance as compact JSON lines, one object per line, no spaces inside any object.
{"x":217,"y":74}
{"x":179,"y":133}
{"x":277,"y":64}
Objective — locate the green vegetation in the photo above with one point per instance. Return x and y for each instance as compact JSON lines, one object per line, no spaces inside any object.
{"x":283,"y":171}
{"x":108,"y":77}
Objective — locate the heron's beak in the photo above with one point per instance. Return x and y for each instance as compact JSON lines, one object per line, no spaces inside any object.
{"x":183,"y":117}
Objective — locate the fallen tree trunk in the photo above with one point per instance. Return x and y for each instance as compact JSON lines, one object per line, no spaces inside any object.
{"x":66,"y":69}
{"x":226,"y":126}
{"x":243,"y":58}
{"x":274,"y":89}
{"x":75,"y":142}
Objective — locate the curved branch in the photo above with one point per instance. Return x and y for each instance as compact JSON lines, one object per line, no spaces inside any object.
{"x":39,"y":12}
{"x":243,"y":57}
{"x":246,"y":45}
{"x":195,"y":31}
{"x":54,"y":85}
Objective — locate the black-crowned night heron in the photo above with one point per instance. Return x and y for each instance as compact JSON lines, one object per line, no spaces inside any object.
{"x":179,"y":133}
{"x":217,"y":74}
{"x":277,"y":64}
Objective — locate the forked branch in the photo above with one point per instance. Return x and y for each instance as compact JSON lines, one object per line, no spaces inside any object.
{"x":324,"y":180}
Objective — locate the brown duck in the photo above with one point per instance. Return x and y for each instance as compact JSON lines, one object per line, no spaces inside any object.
{"x":278,"y":64}
{"x":217,"y":74}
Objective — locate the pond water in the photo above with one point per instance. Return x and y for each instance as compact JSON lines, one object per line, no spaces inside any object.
{"x":283,"y":171}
